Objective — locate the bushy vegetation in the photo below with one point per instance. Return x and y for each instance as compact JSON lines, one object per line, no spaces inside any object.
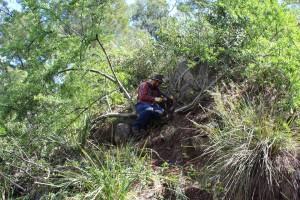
{"x":63,"y":63}
{"x":103,"y":174}
{"x":252,"y":148}
{"x":255,"y":40}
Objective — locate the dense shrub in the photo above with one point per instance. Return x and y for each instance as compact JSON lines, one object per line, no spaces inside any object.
{"x":252,"y":150}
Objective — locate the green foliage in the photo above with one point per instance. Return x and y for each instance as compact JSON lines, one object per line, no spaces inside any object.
{"x":258,"y":123}
{"x":46,"y":38}
{"x":104,"y":174}
{"x":270,"y":44}
{"x":2,"y":131}
{"x":252,"y":149}
{"x":242,"y":40}
{"x":147,"y":15}
{"x":54,"y":80}
{"x":43,"y":106}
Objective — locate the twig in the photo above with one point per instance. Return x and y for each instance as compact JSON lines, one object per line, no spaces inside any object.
{"x":174,"y":6}
{"x":6,"y":12}
{"x":21,"y":61}
{"x":12,"y":182}
{"x":108,"y":104}
{"x":157,"y":154}
{"x":89,"y":70}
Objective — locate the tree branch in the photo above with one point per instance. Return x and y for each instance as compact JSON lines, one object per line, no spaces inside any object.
{"x":21,"y":61}
{"x":113,"y":71}
{"x":107,"y":115}
{"x":89,"y":70}
{"x":6,"y":12}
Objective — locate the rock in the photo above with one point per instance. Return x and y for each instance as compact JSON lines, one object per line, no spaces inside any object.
{"x":188,"y":79}
{"x":122,"y":133}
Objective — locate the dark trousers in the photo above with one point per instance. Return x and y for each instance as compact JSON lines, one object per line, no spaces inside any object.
{"x":146,"y":112}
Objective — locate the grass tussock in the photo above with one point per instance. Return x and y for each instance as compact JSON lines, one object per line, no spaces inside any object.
{"x":252,"y":150}
{"x":104,"y":173}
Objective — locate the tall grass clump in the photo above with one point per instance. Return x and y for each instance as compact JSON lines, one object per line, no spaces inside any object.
{"x":104,"y":173}
{"x":252,"y":149}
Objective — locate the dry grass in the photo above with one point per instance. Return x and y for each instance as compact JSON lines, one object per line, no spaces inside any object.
{"x":252,"y":151}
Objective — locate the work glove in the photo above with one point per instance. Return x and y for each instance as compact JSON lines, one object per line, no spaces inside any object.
{"x":158,"y":99}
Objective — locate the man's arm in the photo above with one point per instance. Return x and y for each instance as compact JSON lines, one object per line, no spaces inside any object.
{"x":161,"y":94}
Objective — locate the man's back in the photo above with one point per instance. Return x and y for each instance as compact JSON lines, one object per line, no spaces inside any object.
{"x":147,"y":92}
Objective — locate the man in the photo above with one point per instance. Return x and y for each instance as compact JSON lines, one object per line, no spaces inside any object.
{"x":147,"y":107}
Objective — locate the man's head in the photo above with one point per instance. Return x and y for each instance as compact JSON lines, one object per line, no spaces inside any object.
{"x":157,"y":79}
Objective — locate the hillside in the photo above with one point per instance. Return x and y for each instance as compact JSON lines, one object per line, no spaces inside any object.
{"x":69,"y":78}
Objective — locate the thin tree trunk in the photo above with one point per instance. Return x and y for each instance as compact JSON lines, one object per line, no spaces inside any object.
{"x":113,"y":72}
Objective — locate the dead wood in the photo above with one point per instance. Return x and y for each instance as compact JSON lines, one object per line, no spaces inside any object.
{"x":114,"y":114}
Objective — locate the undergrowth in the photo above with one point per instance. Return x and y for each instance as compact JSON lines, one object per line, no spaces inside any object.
{"x":103,"y":173}
{"x":93,"y":172}
{"x":252,"y":150}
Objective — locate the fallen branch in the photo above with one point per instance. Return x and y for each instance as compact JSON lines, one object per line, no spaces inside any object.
{"x":107,"y":115}
{"x":89,"y":70}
